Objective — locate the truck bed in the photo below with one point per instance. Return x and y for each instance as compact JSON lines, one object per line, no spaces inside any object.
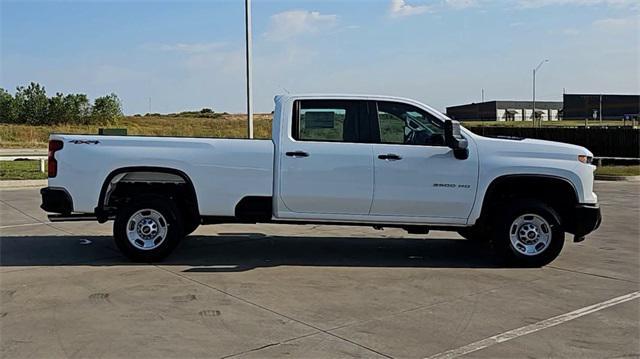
{"x":224,"y":169}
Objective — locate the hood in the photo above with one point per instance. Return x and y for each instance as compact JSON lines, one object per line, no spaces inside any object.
{"x":528,"y":147}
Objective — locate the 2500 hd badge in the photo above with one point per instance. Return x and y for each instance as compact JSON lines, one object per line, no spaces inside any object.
{"x":451,"y":185}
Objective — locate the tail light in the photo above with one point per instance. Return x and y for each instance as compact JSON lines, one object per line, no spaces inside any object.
{"x":54,"y":145}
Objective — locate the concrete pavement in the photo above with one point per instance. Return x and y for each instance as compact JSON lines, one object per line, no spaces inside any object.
{"x":266,"y":291}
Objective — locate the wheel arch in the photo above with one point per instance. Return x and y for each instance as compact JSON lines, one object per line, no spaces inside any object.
{"x":143,"y":174}
{"x":554,"y":189}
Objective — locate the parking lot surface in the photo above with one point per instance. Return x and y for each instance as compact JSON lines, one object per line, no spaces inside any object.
{"x":262,"y":291}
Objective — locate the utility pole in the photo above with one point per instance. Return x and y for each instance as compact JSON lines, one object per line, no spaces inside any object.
{"x":247,"y":18}
{"x":533,"y":114}
{"x":482,"y":94}
{"x":600,"y":110}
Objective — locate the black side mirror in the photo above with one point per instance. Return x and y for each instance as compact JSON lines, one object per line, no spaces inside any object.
{"x":454,"y":140}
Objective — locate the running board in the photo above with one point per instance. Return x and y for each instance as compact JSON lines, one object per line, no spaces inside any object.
{"x":72,"y":217}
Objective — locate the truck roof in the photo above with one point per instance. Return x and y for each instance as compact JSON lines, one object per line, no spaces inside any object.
{"x":319,"y":96}
{"x":342,"y":95}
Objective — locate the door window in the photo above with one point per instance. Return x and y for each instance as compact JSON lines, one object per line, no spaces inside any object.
{"x":327,"y":120}
{"x":400,"y":123}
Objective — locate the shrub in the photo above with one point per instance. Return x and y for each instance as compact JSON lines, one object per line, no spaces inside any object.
{"x":78,"y":108}
{"x":57,"y":112}
{"x":106,"y":110}
{"x":32,"y":104}
{"x":8,"y":108}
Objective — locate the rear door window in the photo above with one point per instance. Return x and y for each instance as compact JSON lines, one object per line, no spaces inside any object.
{"x":328,"y":120}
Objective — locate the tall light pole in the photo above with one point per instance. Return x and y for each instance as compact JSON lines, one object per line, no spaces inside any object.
{"x":533,"y":114}
{"x":247,"y":21}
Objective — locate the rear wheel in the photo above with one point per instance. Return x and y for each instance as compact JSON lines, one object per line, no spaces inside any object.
{"x":148,"y":229}
{"x":528,"y":233}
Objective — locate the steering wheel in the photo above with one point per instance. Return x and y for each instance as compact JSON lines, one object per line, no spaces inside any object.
{"x":413,"y":130}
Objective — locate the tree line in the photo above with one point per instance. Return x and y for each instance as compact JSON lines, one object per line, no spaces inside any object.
{"x":30,"y":105}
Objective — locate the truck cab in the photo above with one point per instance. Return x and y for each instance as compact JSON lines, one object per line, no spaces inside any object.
{"x":369,"y":160}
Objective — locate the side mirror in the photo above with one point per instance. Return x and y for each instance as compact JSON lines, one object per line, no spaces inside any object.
{"x":454,"y":140}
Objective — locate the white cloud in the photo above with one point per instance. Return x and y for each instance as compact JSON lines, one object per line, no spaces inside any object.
{"x":616,"y":24}
{"x":292,"y":23}
{"x":543,"y":3}
{"x":190,"y":48}
{"x":401,"y":8}
{"x":571,"y":31}
{"x":461,"y":4}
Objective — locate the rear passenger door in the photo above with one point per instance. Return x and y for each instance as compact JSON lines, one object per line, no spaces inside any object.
{"x":325,"y":168}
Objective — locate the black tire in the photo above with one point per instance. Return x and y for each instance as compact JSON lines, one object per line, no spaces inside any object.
{"x":190,"y":227}
{"x":170,"y":221}
{"x":512,"y":219}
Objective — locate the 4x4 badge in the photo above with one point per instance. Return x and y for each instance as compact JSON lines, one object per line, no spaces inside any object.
{"x":85,"y":142}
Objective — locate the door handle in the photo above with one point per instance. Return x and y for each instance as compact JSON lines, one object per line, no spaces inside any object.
{"x":390,"y":157}
{"x":297,"y":154}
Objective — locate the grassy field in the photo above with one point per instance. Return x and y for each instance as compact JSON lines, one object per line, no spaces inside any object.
{"x":223,"y":125}
{"x":226,"y":125}
{"x":21,"y":170}
{"x":619,"y":170}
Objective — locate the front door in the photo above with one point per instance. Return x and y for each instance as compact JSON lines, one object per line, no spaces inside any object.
{"x":415,"y":174}
{"x":324,"y":167}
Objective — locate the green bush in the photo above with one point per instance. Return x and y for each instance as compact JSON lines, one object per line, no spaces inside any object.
{"x":106,"y":110}
{"x":8,"y":107}
{"x":31,"y":106}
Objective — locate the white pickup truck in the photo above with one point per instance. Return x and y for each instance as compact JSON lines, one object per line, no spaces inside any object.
{"x":333,"y":159}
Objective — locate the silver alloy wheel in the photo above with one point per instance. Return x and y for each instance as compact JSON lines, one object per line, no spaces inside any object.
{"x":147,"y":229}
{"x":530,"y":234}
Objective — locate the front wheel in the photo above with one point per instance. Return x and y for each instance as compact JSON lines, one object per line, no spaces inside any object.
{"x":528,"y":233}
{"x":148,"y":229}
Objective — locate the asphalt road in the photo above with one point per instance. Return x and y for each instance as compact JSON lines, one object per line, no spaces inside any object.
{"x":267,"y":291}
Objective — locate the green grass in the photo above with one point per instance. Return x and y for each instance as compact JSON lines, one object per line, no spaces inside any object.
{"x":619,"y":170}
{"x":224,"y":125}
{"x":21,"y":170}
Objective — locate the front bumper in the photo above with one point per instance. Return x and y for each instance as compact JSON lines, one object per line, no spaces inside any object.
{"x":56,"y":200}
{"x":586,"y":219}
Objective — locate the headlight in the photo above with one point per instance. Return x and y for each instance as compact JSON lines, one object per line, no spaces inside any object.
{"x":585,"y":159}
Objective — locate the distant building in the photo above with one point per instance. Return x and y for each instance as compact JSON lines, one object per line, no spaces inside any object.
{"x":506,"y":111}
{"x":588,"y":106}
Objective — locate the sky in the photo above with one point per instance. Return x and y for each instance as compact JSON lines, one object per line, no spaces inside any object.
{"x":171,"y":56}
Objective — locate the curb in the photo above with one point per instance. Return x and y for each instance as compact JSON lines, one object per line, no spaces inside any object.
{"x":617,"y":178}
{"x":22,"y":183}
